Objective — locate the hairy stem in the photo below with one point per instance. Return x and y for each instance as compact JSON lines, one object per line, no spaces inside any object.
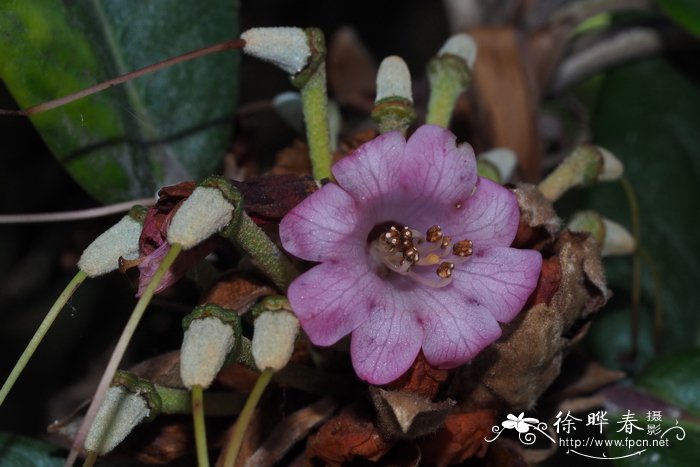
{"x":314,"y":101}
{"x":40,"y":333}
{"x":118,"y":352}
{"x":265,"y":253}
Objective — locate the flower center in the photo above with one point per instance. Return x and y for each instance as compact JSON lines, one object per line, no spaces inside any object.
{"x":403,"y":250}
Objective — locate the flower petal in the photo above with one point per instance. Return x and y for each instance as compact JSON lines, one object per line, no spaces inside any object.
{"x":331,"y":299}
{"x":433,"y":175}
{"x":498,"y":279}
{"x":369,"y":172}
{"x":386,"y":345}
{"x":454,"y":331}
{"x":489,"y":218}
{"x":324,"y":226}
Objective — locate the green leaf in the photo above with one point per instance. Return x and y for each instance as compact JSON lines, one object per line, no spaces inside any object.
{"x":675,"y":378}
{"x":17,"y":451}
{"x":676,"y":453}
{"x":648,"y":115}
{"x":127,"y":141}
{"x":684,"y":12}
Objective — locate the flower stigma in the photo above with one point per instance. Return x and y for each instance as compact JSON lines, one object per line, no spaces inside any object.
{"x":403,"y":249}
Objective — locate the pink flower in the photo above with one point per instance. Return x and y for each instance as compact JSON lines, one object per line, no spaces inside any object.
{"x":414,"y":253}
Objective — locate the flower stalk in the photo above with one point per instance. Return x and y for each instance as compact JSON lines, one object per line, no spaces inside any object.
{"x":302,"y":54}
{"x":586,"y":165}
{"x":449,"y":74}
{"x":100,"y":257}
{"x":243,"y":232}
{"x":119,"y":350}
{"x":234,"y":445}
{"x":200,"y":430}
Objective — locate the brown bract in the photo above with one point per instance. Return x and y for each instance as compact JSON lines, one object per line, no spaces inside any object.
{"x":511,"y":374}
{"x":421,"y":379}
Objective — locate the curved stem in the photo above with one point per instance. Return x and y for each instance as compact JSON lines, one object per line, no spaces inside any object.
{"x":91,"y":213}
{"x":119,"y":350}
{"x":40,"y":333}
{"x":636,"y":263}
{"x":239,"y":431}
{"x":200,"y":429}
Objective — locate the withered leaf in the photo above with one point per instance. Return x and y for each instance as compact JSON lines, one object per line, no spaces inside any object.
{"x":421,"y":379}
{"x":238,"y":291}
{"x":350,"y":434}
{"x":270,"y":197}
{"x":461,"y":438}
{"x":290,"y":431}
{"x":403,"y":414}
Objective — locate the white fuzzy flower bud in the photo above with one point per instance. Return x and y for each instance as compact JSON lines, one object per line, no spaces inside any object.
{"x":618,"y":240}
{"x":203,"y":214}
{"x":288,"y":48}
{"x":461,"y":45}
{"x":612,"y":167}
{"x":120,"y":240}
{"x":120,"y":413}
{"x":205,"y":346}
{"x":503,"y":159}
{"x":394,"y":79}
{"x":273,"y":339}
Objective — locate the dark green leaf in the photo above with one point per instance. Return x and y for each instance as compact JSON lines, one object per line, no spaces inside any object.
{"x":129,"y":140}
{"x":675,"y":378}
{"x":684,"y":12}
{"x":676,"y":453}
{"x":648,"y":115}
{"x":17,"y":451}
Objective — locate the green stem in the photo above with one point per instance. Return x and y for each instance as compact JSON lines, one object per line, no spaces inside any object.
{"x":239,"y":431}
{"x":90,"y":459}
{"x":119,"y":351}
{"x":40,"y":333}
{"x":216,"y":403}
{"x":636,"y":263}
{"x":265,"y":253}
{"x":314,"y":102}
{"x":449,"y":76}
{"x":200,"y":430}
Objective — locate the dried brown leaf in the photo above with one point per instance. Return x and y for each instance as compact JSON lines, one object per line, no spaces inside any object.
{"x":238,"y":291}
{"x":403,"y":414}
{"x":421,"y":379}
{"x":461,"y":438}
{"x":350,"y":434}
{"x":290,"y":431}
{"x":504,"y":105}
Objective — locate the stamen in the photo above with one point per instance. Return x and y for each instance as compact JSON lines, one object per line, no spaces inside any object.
{"x":434,"y":234}
{"x":444,"y":271}
{"x":402,"y":249}
{"x":463,"y":248}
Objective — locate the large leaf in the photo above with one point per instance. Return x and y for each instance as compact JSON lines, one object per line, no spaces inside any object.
{"x":648,"y":115}
{"x":674,"y":379}
{"x":17,"y":451}
{"x":129,"y":140}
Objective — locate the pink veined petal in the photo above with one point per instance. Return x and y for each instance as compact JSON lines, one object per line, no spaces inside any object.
{"x":324,"y":226}
{"x":454,"y":331}
{"x":433,"y":177}
{"x":369,"y":173}
{"x":489,"y":218}
{"x":332,"y":299}
{"x":385,"y":345}
{"x":498,"y":279}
